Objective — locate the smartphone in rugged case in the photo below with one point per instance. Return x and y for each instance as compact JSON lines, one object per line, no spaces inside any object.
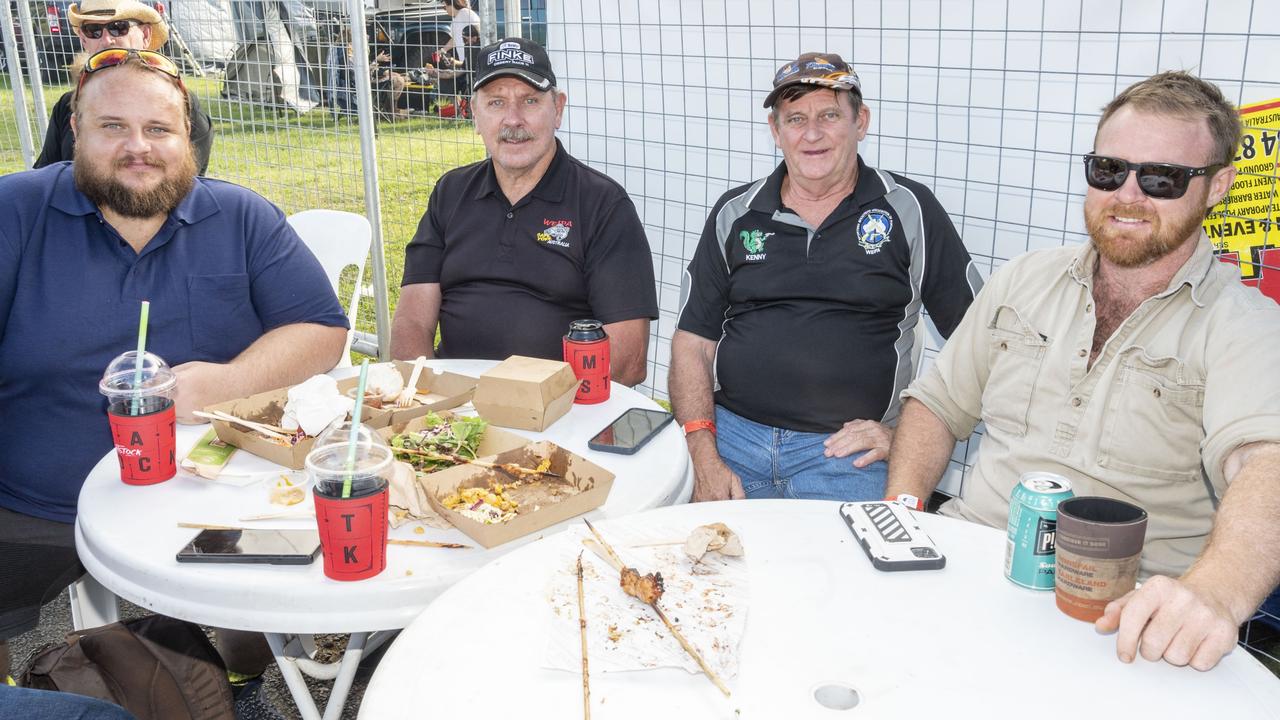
{"x":891,"y":537}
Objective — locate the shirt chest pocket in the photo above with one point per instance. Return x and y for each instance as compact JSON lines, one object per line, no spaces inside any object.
{"x":1015,"y":353}
{"x":1154,"y":423}
{"x":223,"y":321}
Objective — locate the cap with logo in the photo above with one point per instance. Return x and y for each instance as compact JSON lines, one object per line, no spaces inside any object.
{"x":822,"y":69}
{"x":515,"y":57}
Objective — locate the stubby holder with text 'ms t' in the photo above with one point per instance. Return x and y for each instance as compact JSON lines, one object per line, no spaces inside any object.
{"x":586,"y":349}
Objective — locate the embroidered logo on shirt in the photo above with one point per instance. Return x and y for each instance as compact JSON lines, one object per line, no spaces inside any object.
{"x":556,"y":233}
{"x":873,"y":230}
{"x":753,"y":243}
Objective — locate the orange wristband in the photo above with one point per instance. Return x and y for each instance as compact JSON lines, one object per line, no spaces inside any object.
{"x":695,"y":425}
{"x":910,"y":501}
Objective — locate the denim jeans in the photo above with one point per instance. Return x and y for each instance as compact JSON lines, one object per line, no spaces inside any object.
{"x":27,"y":704}
{"x":779,"y":463}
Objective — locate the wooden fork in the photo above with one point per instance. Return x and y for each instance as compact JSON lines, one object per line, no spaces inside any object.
{"x":405,"y":399}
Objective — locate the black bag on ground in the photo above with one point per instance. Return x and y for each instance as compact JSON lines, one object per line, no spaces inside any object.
{"x":156,"y":667}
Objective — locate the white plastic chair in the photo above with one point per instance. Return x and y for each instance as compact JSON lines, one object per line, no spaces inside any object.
{"x":338,"y":240}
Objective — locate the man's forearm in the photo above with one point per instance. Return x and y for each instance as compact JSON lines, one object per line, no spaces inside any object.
{"x":628,"y":351}
{"x":921,"y":450}
{"x":689,"y":381}
{"x":413,"y":328}
{"x":286,"y":355}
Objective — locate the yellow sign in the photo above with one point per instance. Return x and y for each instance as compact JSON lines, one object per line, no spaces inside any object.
{"x":1247,"y":222}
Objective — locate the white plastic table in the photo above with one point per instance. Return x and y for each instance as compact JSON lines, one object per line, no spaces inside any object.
{"x":961,"y":642}
{"x":127,"y":538}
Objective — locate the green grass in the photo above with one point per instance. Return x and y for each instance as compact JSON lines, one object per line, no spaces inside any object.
{"x":313,"y":161}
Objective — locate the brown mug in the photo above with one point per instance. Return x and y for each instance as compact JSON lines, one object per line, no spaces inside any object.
{"x":1099,"y":545}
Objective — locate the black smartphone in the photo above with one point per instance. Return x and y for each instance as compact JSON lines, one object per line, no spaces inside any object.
{"x":274,"y":547}
{"x":630,"y":431}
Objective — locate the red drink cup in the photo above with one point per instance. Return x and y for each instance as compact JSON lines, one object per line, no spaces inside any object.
{"x":141,"y":414}
{"x":353,"y":529}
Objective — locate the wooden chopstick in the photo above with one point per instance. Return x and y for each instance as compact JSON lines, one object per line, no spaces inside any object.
{"x":272,"y":431}
{"x":582,"y":626}
{"x":428,"y":543}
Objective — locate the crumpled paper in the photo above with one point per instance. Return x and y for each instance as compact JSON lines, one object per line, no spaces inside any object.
{"x":706,"y":600}
{"x":314,"y":404}
{"x":385,"y":381}
{"x":408,"y":500}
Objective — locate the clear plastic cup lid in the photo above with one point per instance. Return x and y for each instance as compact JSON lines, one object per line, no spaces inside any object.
{"x":123,"y":377}
{"x":332,"y":447}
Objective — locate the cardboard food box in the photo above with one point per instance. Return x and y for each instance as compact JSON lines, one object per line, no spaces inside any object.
{"x":590,"y":481}
{"x":442,"y":391}
{"x":526,"y":393}
{"x":268,"y":407}
{"x":494,"y":441}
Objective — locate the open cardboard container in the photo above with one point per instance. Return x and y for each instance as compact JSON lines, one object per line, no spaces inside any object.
{"x":494,"y":440}
{"x":268,"y":407}
{"x":442,"y":392}
{"x":592,"y":482}
{"x":526,"y":393}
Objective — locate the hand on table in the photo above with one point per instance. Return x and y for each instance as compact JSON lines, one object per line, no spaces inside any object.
{"x":200,"y":384}
{"x":859,"y":435}
{"x":1171,"y":619}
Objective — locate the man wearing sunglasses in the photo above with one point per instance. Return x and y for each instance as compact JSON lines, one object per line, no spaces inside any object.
{"x":238,"y":306}
{"x":103,"y":24}
{"x":1137,"y":366}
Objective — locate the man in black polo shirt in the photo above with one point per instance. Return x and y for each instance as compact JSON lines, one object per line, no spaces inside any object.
{"x":799,"y":307}
{"x":514,"y":248}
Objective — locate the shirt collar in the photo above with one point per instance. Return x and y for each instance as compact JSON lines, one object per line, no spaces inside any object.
{"x":867,"y":189}
{"x":196,"y":206}
{"x":1193,"y":272}
{"x":549,"y":187}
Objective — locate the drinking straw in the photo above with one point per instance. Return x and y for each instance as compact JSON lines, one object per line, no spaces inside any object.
{"x":355,"y":428}
{"x":137,"y":367}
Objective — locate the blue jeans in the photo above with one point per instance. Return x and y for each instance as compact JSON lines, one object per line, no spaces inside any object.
{"x":27,"y":704}
{"x":779,"y":463}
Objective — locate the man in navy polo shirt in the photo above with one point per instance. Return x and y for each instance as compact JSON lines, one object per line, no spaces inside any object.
{"x":514,"y":248}
{"x":238,"y":305}
{"x":800,"y":304}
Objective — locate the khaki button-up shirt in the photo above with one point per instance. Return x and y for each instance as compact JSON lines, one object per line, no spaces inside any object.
{"x":1190,"y":376}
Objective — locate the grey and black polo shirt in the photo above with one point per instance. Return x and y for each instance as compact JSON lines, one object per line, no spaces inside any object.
{"x":815,"y":326}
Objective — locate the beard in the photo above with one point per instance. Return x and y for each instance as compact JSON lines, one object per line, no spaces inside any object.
{"x":1123,"y":248}
{"x":97,"y":180}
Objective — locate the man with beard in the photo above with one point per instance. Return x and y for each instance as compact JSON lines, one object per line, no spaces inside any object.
{"x":238,"y":306}
{"x":514,"y":248}
{"x":1138,"y":367}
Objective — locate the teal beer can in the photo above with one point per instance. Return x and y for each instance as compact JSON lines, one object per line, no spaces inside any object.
{"x":1033,"y":523}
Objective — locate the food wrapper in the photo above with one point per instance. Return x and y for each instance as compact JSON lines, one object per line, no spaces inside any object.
{"x":408,"y":500}
{"x":384,"y":381}
{"x":707,"y":600}
{"x":314,"y":404}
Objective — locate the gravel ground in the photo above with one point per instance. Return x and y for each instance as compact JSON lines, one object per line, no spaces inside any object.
{"x":55,"y":623}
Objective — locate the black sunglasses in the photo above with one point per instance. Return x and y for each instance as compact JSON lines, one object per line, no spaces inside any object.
{"x":117,"y":28}
{"x":1164,"y":181}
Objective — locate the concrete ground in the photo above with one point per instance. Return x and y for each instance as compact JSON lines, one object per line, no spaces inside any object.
{"x":55,"y":623}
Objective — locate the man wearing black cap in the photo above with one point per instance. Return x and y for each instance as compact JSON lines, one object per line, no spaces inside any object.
{"x":514,"y":248}
{"x":799,"y":307}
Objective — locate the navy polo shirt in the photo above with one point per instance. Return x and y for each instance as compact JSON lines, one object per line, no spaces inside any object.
{"x":223,"y":269}
{"x":815,"y":326}
{"x":512,"y":277}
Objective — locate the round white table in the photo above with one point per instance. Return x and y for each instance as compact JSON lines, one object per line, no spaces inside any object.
{"x":127,"y":537}
{"x":952,"y":643}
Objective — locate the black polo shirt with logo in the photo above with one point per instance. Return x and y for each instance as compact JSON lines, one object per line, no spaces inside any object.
{"x":512,"y":277}
{"x":816,"y":325}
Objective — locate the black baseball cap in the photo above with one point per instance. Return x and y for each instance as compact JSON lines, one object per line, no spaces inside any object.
{"x":515,"y":57}
{"x":824,"y":69}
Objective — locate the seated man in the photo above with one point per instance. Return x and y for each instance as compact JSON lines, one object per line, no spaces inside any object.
{"x":1137,"y":366}
{"x":515,"y":247}
{"x":454,"y":81}
{"x":102,"y":24}
{"x":800,"y":305}
{"x":238,"y":306}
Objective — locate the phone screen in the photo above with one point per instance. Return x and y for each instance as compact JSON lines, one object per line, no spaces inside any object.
{"x":252,"y":546}
{"x":629,"y":432}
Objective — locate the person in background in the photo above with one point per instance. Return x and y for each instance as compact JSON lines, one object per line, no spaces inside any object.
{"x":463,"y":16}
{"x":1137,"y":366}
{"x":455,"y":82}
{"x":515,"y":247}
{"x":103,"y":24}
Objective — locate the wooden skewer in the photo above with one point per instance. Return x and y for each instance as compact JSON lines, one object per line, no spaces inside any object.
{"x":285,"y":515}
{"x":509,"y":468}
{"x":203,"y":526}
{"x":612,"y":558}
{"x":428,"y":543}
{"x":271,"y":431}
{"x":582,"y":625}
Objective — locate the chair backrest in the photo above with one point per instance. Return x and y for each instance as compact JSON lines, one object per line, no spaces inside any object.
{"x":338,"y":240}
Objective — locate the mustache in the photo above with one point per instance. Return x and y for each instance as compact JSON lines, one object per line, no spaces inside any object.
{"x":1137,"y":211}
{"x":145,"y":160}
{"x":514,"y":134}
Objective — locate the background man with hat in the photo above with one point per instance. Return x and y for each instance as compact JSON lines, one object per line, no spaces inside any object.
{"x":799,"y":307}
{"x":515,"y":247}
{"x":117,"y":23}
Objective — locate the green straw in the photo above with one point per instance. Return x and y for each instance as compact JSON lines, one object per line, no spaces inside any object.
{"x":142,"y":349}
{"x":355,"y":428}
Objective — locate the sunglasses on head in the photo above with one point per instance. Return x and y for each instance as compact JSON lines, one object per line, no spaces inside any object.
{"x":1164,"y":181}
{"x":116,"y":28}
{"x":112,"y":57}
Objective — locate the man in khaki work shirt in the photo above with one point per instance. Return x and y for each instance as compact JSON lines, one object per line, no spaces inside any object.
{"x":1128,"y":365}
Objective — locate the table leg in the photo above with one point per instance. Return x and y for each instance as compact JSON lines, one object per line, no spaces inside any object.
{"x":293,"y":663}
{"x":92,"y":605}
